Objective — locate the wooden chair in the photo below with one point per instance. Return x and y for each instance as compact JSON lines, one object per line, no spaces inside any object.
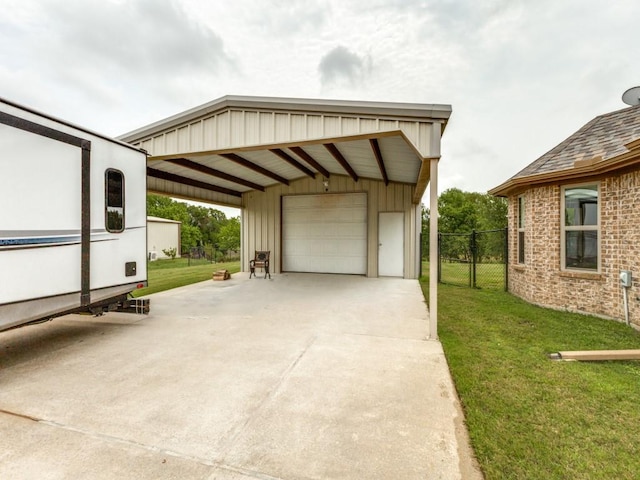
{"x":261,"y":260}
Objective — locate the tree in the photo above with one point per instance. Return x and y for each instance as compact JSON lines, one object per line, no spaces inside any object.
{"x":464,"y":212}
{"x":190,"y":237}
{"x":426,"y":229}
{"x":165,"y":207}
{"x":229,"y":235}
{"x":200,"y":225}
{"x":492,"y":216}
{"x":457,"y":211}
{"x":492,"y":212}
{"x":207,"y":220}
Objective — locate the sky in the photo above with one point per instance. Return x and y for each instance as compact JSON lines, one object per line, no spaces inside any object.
{"x":520,"y":75}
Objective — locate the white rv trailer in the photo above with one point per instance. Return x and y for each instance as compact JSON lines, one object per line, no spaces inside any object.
{"x":72,"y":219}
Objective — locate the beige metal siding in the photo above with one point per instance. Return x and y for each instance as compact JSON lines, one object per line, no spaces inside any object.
{"x":266,"y":127}
{"x":298,"y":127}
{"x":196,"y":136}
{"x":162,"y":236}
{"x":244,"y":127}
{"x":262,"y":217}
{"x":172,"y":189}
{"x":314,"y":126}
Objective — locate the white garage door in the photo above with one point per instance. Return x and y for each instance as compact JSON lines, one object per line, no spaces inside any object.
{"x":325,"y":233}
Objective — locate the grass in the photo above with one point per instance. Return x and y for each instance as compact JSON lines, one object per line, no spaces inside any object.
{"x":530,"y":417}
{"x":167,"y":274}
{"x":488,"y":275}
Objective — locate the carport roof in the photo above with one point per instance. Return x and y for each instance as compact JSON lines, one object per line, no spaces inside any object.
{"x":223,"y":173}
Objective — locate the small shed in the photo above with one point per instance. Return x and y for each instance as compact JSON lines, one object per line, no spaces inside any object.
{"x":162,"y":234}
{"x":574,"y":222}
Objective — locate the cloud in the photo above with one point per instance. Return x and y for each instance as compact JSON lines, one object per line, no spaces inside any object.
{"x":105,"y":50}
{"x":115,"y":55}
{"x":286,"y":18}
{"x":341,"y":65}
{"x":521,"y":76}
{"x":144,"y":37}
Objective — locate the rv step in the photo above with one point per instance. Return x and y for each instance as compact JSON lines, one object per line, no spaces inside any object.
{"x":135,"y":305}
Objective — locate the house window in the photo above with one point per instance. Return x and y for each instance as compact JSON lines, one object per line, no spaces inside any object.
{"x":580,"y":227}
{"x":521,"y":229}
{"x":114,"y":201}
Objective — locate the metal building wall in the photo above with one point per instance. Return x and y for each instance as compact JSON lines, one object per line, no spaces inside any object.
{"x":163,"y":235}
{"x":232,"y":128}
{"x":262,"y":221}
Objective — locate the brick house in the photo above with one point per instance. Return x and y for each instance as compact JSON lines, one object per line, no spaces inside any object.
{"x":574,"y":220}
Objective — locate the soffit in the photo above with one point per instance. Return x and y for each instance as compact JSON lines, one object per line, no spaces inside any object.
{"x":224,"y":175}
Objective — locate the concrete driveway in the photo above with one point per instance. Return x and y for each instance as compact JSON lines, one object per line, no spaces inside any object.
{"x":298,"y":377}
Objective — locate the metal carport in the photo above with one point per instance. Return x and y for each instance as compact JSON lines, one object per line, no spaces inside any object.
{"x":250,"y":152}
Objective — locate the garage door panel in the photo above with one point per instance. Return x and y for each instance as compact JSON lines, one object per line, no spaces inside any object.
{"x":340,"y":265}
{"x":325,"y":233}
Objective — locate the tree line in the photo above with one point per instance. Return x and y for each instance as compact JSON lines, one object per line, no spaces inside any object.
{"x":462,"y":213}
{"x":201,"y":226}
{"x":459,"y":213}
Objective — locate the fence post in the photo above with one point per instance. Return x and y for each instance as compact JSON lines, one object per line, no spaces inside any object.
{"x":420,"y":257}
{"x":506,"y":259}
{"x":474,"y":256}
{"x":439,"y":258}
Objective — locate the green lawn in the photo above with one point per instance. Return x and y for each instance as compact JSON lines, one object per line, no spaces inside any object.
{"x":167,"y":274}
{"x":488,"y":275}
{"x":530,"y":417}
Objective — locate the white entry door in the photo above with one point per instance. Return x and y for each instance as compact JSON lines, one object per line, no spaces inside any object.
{"x":391,"y":244}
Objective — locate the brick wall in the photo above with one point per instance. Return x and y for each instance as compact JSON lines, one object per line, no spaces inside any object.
{"x":540,"y":279}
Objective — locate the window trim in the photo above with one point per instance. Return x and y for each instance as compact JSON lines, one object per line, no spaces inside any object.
{"x":106,"y":200}
{"x":521,"y":228}
{"x":579,"y":228}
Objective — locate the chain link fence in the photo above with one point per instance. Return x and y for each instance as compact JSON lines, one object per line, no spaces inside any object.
{"x":209,"y":254}
{"x":476,"y":259}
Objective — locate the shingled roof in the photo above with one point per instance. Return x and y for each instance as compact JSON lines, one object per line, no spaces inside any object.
{"x":604,"y":138}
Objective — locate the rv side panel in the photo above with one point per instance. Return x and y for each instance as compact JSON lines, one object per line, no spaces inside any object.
{"x":73,"y":222}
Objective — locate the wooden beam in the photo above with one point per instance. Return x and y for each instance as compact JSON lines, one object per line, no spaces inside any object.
{"x":378,"y":154}
{"x":170,"y":177}
{"x":198,"y":167}
{"x":293,"y":162}
{"x":310,"y":160}
{"x":333,"y":150}
{"x":424,"y":177}
{"x":256,"y":168}
{"x":597,"y":355}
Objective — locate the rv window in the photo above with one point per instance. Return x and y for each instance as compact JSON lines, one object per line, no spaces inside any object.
{"x":114,"y":201}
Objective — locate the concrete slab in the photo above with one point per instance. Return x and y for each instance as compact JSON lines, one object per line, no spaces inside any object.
{"x":298,"y":377}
